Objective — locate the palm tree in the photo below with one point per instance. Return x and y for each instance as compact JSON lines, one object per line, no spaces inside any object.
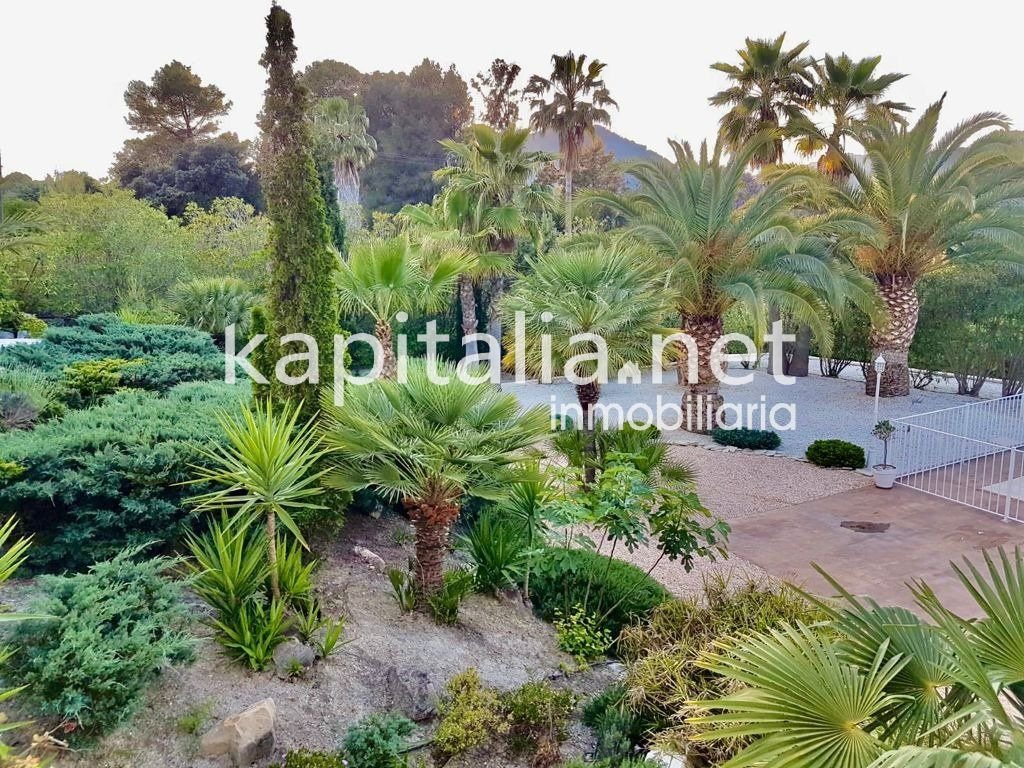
{"x":771,"y":88}
{"x":429,"y":445}
{"x":384,"y":277}
{"x":212,"y":304}
{"x":497,"y":169}
{"x":266,"y":470}
{"x":929,"y":201}
{"x":568,"y":112}
{"x":717,"y":256}
{"x":881,"y":687}
{"x":849,"y":90}
{"x":571,"y":297}
{"x":18,"y":230}
{"x":341,"y":132}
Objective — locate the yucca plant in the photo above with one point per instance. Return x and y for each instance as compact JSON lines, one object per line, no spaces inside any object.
{"x":497,"y":546}
{"x":229,"y":564}
{"x":266,"y":470}
{"x":429,"y":444}
{"x":258,"y":629}
{"x":880,"y":687}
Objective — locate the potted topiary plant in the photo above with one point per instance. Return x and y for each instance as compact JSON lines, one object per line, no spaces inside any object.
{"x":885,"y":473}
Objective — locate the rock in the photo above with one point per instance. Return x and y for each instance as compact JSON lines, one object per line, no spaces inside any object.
{"x":244,"y":737}
{"x":617,"y":669}
{"x":292,"y":656}
{"x":411,"y":693}
{"x":372,"y":559}
{"x":667,"y":760}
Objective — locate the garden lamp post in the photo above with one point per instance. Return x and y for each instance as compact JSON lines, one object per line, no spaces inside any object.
{"x":879,"y":370}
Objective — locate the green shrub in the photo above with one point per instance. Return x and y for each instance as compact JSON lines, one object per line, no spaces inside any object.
{"x":618,"y":732}
{"x":662,"y":652}
{"x":444,"y":604}
{"x":752,"y":439}
{"x":377,"y":741}
{"x":34,"y":326}
{"x":86,"y":381}
{"x":172,"y":354}
{"x":114,"y":628}
{"x":836,"y":453}
{"x":109,"y":477}
{"x":402,"y":589}
{"x":580,"y":635}
{"x":10,"y":315}
{"x":497,"y":547}
{"x":538,"y":717}
{"x":43,"y":392}
{"x":619,"y":592}
{"x":470,"y":716}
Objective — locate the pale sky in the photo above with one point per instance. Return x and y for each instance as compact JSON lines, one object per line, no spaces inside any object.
{"x":66,"y":64}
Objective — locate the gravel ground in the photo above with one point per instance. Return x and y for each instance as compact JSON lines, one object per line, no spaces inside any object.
{"x":823,"y":407}
{"x":738,"y":485}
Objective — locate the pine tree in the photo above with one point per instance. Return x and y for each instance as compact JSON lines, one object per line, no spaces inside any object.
{"x":301,"y":296}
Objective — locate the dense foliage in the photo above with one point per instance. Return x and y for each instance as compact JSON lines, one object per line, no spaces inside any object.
{"x":107,"y":477}
{"x":836,"y":453}
{"x":114,"y":628}
{"x":752,"y":439}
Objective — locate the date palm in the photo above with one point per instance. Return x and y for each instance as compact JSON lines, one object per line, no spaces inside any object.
{"x":881,"y":687}
{"x":495,"y":168}
{"x":849,"y":90}
{"x":583,"y":301}
{"x":717,"y":256}
{"x":929,"y":200}
{"x":571,"y":101}
{"x":771,"y":88}
{"x":341,"y":131}
{"x":381,"y":278}
{"x":429,"y":445}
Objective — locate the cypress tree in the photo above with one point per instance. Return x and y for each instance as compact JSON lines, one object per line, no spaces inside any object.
{"x":302,"y":295}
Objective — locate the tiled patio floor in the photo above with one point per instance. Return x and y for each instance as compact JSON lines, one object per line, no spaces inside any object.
{"x":925,"y":534}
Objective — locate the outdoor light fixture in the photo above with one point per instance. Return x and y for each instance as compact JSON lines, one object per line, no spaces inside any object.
{"x":879,"y":370}
{"x":879,"y":364}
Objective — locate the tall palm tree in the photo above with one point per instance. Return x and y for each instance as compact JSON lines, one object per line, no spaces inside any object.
{"x":341,"y":131}
{"x":496,"y":168}
{"x":586,"y":292}
{"x":381,"y":278}
{"x":882,"y":687}
{"x":429,"y":445}
{"x":717,"y":256}
{"x":576,"y":105}
{"x":849,"y":90}
{"x":928,"y":201}
{"x":771,"y":87}
{"x":266,"y":469}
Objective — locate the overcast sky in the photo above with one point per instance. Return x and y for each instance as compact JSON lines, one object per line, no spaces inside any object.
{"x":66,"y":64}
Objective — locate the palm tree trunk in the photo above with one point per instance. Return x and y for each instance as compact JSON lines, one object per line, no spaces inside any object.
{"x":800,"y":362}
{"x":497,"y":293}
{"x":346,"y":182}
{"x":432,"y":523}
{"x":588,"y":395}
{"x":568,"y":198}
{"x":467,"y":302}
{"x":389,"y":367}
{"x":892,"y":340}
{"x":275,"y":584}
{"x":701,"y":399}
{"x":774,"y":315}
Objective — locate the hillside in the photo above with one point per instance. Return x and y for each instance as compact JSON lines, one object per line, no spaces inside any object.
{"x":624,"y":149}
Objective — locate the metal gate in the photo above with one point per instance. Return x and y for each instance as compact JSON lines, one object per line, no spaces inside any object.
{"x":972,"y":454}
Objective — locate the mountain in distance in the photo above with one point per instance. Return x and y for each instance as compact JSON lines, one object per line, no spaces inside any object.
{"x":624,"y":149}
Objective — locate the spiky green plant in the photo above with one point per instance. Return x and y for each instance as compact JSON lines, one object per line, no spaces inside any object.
{"x":212,"y":304}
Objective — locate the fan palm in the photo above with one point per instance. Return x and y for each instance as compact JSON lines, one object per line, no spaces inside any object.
{"x":212,"y":304}
{"x":429,"y":445}
{"x":497,"y":169}
{"x":341,"y":132}
{"x":717,"y":256}
{"x":771,"y":87}
{"x":881,"y":687}
{"x":18,"y":231}
{"x":266,"y":469}
{"x":849,"y":90}
{"x":577,"y":103}
{"x":588,"y":310}
{"x":384,"y":277}
{"x":929,"y":201}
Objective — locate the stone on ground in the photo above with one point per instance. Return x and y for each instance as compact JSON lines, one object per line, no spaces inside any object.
{"x":244,"y":737}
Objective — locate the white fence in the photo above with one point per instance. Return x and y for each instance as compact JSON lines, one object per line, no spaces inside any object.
{"x":972,"y":454}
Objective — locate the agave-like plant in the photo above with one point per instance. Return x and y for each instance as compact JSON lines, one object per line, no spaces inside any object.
{"x":266,"y":469}
{"x":879,"y":687}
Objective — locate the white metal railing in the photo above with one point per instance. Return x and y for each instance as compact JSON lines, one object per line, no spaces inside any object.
{"x":972,"y":454}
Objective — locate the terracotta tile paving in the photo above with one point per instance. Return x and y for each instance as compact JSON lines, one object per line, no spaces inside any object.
{"x":925,"y":534}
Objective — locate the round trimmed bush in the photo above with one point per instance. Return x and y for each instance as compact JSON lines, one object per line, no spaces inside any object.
{"x":752,"y":439}
{"x":618,"y":589}
{"x":836,"y":453}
